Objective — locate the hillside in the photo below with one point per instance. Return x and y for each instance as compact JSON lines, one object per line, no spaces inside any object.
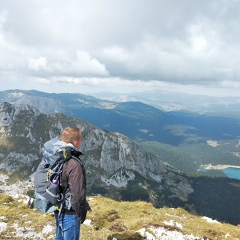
{"x":189,"y":157}
{"x":116,"y":166}
{"x":179,"y":138}
{"x":111,"y":220}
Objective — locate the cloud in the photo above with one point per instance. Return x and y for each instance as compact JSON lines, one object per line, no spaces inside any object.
{"x":82,"y":65}
{"x":37,"y":64}
{"x":162,"y":42}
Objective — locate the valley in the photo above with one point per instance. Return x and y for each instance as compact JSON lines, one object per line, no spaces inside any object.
{"x":132,"y":151}
{"x":185,"y":140}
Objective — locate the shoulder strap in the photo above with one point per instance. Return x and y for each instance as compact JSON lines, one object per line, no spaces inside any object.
{"x":64,"y":155}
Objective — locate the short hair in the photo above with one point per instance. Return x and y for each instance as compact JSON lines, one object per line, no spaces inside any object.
{"x":71,"y":134}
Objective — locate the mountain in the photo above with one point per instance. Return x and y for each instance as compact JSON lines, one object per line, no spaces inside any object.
{"x":111,"y":159}
{"x":116,"y":166}
{"x":182,"y":139}
{"x":177,"y":101}
{"x":136,"y":120}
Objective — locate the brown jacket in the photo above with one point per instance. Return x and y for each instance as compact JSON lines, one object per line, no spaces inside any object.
{"x":73,"y":177}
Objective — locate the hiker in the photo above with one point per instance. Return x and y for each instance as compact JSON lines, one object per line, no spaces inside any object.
{"x":73,"y":182}
{"x":73,"y":178}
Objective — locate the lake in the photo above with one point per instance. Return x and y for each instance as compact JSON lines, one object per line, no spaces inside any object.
{"x":231,"y":172}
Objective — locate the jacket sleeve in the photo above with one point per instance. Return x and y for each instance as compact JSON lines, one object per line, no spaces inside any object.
{"x":77,"y":186}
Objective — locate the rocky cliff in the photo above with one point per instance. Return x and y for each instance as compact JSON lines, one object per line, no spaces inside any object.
{"x":112,"y":160}
{"x":116,"y":166}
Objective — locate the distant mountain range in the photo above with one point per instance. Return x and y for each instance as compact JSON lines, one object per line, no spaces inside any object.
{"x":183,"y":139}
{"x":177,"y":101}
{"x":116,"y":166}
{"x":137,"y":120}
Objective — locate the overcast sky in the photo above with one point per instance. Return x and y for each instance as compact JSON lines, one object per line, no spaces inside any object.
{"x":120,"y":45}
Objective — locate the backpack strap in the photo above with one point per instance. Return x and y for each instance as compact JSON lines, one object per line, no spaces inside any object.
{"x":67,"y":153}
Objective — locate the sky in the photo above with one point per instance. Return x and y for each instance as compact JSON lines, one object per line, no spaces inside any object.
{"x":86,"y":46}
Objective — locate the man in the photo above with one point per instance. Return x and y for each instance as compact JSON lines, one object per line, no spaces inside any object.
{"x":74,"y":184}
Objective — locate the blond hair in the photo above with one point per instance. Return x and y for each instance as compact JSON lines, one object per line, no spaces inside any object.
{"x":71,"y":134}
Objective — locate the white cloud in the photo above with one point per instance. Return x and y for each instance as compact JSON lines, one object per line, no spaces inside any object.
{"x":163,"y":43}
{"x":89,"y":65}
{"x":3,"y":17}
{"x":43,"y":80}
{"x":83,"y":64}
{"x":37,"y":64}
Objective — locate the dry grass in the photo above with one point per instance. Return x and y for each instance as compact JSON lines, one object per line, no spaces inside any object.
{"x":111,"y":219}
{"x":123,"y":219}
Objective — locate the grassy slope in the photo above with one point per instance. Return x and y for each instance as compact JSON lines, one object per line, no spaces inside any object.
{"x":109,"y":219}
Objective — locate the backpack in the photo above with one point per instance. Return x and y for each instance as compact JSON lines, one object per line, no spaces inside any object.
{"x":47,"y":179}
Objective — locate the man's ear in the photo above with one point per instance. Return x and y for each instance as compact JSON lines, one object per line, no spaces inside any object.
{"x":77,"y":144}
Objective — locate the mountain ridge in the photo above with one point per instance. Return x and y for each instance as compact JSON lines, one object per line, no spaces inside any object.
{"x":116,"y":166}
{"x":180,"y":138}
{"x":177,"y":101}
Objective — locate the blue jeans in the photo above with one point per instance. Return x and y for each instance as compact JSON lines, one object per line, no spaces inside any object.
{"x":67,"y":227}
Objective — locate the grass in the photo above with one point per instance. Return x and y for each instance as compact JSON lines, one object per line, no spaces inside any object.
{"x":22,"y":222}
{"x":110,"y":219}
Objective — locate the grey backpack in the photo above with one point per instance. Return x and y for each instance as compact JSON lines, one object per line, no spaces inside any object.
{"x":47,"y":179}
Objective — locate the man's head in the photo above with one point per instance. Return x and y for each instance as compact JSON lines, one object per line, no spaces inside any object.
{"x":72,"y":135}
